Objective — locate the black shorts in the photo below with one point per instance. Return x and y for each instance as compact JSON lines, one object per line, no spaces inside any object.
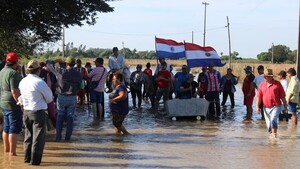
{"x":118,"y":119}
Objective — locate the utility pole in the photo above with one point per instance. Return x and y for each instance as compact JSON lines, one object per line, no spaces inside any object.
{"x":272,"y":53}
{"x":192,"y":36}
{"x":298,"y":53}
{"x":204,"y":34}
{"x":229,"y":41}
{"x":63,"y":42}
{"x":124,"y":53}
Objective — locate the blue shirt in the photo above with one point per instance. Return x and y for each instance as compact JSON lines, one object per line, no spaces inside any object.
{"x":120,"y":107}
{"x":181,"y":78}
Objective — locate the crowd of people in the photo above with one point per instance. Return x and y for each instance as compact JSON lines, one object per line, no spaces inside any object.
{"x":54,"y":89}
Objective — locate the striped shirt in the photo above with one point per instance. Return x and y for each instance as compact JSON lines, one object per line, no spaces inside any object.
{"x":96,"y":74}
{"x":213,"y":80}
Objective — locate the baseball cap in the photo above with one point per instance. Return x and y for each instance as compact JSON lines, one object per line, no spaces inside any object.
{"x":12,"y":57}
{"x":184,"y":67}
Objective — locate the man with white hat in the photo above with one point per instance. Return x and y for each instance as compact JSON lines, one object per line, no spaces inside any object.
{"x":35,"y":95}
{"x":273,"y":96}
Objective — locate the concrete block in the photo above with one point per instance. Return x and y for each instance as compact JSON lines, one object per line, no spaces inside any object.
{"x":187,"y":107}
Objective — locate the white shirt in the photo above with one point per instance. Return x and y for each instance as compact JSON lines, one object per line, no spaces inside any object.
{"x":284,"y":84}
{"x":35,"y":93}
{"x":258,"y":79}
{"x":116,"y":62}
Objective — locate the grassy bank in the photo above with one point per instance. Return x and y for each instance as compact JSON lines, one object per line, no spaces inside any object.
{"x":237,"y":66}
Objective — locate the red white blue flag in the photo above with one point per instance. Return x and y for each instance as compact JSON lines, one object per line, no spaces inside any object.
{"x":198,"y":56}
{"x":167,"y":48}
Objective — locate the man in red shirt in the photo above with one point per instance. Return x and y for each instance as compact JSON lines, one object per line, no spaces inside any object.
{"x":271,"y":93}
{"x":163,"y":79}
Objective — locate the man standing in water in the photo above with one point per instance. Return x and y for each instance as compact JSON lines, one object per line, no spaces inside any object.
{"x":213,"y":79}
{"x":249,"y":91}
{"x":69,"y":84}
{"x":97,"y":75}
{"x":272,"y":94}
{"x":292,"y":94}
{"x":12,"y":113}
{"x":163,"y":79}
{"x":257,"y":80}
{"x":35,"y":95}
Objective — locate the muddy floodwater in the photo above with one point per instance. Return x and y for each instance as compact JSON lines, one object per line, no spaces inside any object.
{"x":158,"y":142}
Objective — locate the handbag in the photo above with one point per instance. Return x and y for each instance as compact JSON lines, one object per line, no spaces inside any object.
{"x":94,"y":84}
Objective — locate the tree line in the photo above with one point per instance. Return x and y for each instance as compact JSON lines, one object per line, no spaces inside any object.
{"x":281,"y":54}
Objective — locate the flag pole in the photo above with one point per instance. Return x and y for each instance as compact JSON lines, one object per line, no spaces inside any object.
{"x":156,"y":56}
{"x":185,"y":53}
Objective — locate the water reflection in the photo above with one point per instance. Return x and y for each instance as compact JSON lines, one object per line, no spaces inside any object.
{"x":158,"y":142}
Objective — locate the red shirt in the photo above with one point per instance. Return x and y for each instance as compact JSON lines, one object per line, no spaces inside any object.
{"x":162,"y":83}
{"x":247,"y":83}
{"x":271,"y":94}
{"x":149,"y":71}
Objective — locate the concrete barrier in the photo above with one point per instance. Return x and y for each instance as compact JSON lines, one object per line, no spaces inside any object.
{"x":187,"y":107}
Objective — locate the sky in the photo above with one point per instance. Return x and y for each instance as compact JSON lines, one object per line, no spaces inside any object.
{"x":254,"y":25}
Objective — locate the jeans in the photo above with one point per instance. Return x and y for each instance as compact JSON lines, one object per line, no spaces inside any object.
{"x":12,"y":120}
{"x":66,"y":106}
{"x":272,"y":115}
{"x":136,"y":93}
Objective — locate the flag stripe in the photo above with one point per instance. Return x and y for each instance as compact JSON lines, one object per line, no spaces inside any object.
{"x":170,"y":55}
{"x":190,"y":46}
{"x":203,"y":62}
{"x":169,"y":49}
{"x":168,"y":41}
{"x":198,"y":54}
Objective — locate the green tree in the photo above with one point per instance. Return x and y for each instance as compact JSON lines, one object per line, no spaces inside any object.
{"x":280,"y":53}
{"x":264,"y":56}
{"x":30,"y":23}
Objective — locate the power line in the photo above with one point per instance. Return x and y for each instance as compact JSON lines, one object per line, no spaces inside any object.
{"x":143,"y":34}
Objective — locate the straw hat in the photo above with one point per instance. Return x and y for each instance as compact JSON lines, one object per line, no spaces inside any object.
{"x":268,"y":72}
{"x":33,"y":64}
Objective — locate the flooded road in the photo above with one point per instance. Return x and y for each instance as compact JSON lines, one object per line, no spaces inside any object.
{"x":158,"y":142}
